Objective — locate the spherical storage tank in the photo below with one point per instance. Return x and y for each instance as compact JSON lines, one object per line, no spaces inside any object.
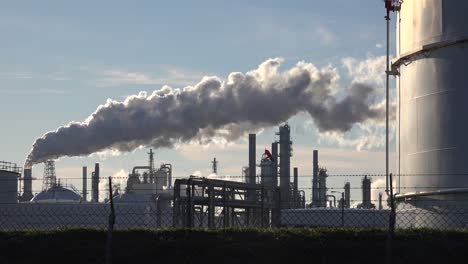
{"x":432,"y":86}
{"x":57,"y":194}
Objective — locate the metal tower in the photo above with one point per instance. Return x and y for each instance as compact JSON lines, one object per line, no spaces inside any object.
{"x":50,"y":178}
{"x":215,"y":166}
{"x":366,"y":194}
{"x":285,"y":154}
{"x":151,"y":166}
{"x":347,"y":193}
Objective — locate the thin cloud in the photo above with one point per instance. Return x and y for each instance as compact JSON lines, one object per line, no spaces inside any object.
{"x":32,"y":92}
{"x":16,"y":75}
{"x":326,"y":37}
{"x":54,"y":76}
{"x":171,"y":75}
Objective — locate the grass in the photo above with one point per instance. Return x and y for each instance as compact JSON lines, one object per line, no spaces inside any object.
{"x":233,"y":246}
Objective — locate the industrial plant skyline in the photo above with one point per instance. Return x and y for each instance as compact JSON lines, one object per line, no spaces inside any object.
{"x":57,"y":86}
{"x":241,"y":131}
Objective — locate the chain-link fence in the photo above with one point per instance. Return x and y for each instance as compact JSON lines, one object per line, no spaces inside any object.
{"x":220,"y":202}
{"x":333,"y":201}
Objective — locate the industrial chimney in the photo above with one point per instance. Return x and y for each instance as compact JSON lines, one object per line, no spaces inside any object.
{"x":322,"y":187}
{"x":285,"y":165}
{"x":95,"y":184}
{"x":85,"y":183}
{"x":315,"y":191}
{"x":380,"y":201}
{"x":296,"y":188}
{"x":252,"y":156}
{"x":274,"y":153}
{"x":27,"y":185}
{"x":347,"y":194}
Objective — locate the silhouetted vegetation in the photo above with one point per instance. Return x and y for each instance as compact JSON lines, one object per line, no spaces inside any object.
{"x":233,"y":246}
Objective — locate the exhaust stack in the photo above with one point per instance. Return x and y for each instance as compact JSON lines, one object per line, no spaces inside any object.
{"x":252,"y":152}
{"x":296,"y":180}
{"x":95,"y":184}
{"x":274,"y":153}
{"x":85,"y":183}
{"x":27,"y":185}
{"x":347,"y":191}
{"x":315,"y":191}
{"x":285,"y":165}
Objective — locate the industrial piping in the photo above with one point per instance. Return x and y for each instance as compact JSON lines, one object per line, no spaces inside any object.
{"x":140,"y":168}
{"x":168,"y":166}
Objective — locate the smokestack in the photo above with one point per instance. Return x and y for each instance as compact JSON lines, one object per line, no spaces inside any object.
{"x":285,"y":166}
{"x":380,"y":201}
{"x":27,"y":185}
{"x":296,"y":179}
{"x":296,"y":188}
{"x":274,"y":153}
{"x":85,"y":184}
{"x":95,"y":183}
{"x":366,"y":190}
{"x":315,"y":191}
{"x":252,"y":152}
{"x":347,"y":191}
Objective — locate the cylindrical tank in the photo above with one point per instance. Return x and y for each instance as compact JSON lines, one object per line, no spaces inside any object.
{"x":432,"y":133}
{"x":266,"y":172}
{"x":8,"y":183}
{"x":432,"y":104}
{"x":161,"y":179}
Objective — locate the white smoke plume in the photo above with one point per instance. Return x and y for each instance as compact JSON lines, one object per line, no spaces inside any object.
{"x":214,"y":108}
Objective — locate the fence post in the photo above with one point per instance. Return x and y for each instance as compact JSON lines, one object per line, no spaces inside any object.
{"x":111,"y":225}
{"x":158,"y":212}
{"x":391,"y":224}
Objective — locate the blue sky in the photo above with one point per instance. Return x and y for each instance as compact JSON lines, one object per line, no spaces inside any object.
{"x":61,"y":59}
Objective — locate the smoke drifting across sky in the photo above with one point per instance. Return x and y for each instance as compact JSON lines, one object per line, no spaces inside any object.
{"x":214,"y":108}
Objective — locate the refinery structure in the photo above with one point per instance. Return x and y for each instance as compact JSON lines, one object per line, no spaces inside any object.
{"x":429,"y":179}
{"x":268,"y":195}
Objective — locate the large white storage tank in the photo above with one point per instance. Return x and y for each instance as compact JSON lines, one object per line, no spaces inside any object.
{"x":432,"y":131}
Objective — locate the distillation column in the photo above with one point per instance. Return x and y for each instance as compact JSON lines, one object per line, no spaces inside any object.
{"x":285,"y":165}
